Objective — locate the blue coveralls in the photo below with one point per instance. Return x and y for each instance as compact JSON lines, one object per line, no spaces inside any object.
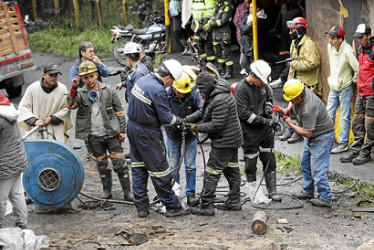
{"x":135,"y":73}
{"x":148,"y":110}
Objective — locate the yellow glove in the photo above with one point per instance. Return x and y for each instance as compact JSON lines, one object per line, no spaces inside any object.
{"x":207,"y":26}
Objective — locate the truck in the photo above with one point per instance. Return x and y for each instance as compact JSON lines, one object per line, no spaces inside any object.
{"x":15,"y":53}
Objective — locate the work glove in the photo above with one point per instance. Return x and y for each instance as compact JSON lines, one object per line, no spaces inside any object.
{"x":207,"y":26}
{"x":268,"y":110}
{"x":193,"y":128}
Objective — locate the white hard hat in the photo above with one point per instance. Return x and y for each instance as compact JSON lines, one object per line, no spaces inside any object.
{"x":174,"y":67}
{"x":131,"y":48}
{"x":262,"y":70}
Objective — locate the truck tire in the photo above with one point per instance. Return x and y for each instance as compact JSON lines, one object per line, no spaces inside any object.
{"x":14,"y":91}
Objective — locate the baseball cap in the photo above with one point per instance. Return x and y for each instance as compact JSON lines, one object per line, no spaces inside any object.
{"x":362,"y":29}
{"x":51,"y":69}
{"x":336,"y":31}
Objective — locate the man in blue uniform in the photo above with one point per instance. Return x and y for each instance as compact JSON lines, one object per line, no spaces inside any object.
{"x":148,"y":111}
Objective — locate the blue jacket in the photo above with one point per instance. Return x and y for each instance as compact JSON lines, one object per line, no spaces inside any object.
{"x":102,"y":69}
{"x":133,"y":76}
{"x":182,"y":108}
{"x":149,"y":106}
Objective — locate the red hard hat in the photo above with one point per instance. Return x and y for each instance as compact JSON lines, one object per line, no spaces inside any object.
{"x":298,"y":22}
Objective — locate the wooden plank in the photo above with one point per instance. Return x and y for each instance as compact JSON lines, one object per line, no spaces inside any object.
{"x":3,"y":23}
{"x":3,"y":31}
{"x":5,"y":43}
{"x":12,"y":37}
{"x":7,"y":50}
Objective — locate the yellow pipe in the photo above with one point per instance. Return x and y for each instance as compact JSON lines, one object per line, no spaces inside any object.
{"x":99,"y":13}
{"x":57,"y":7}
{"x":167,"y":24}
{"x":76,"y":14}
{"x":254,"y":30}
{"x":35,"y":9}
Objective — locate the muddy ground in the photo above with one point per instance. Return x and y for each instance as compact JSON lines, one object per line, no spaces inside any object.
{"x":94,"y":225}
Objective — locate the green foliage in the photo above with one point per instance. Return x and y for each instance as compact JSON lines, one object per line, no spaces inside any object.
{"x":287,"y":163}
{"x":158,"y":60}
{"x":65,"y":42}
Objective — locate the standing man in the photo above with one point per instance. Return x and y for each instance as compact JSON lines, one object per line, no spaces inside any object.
{"x":183,"y":101}
{"x":86,"y":53}
{"x":148,"y":111}
{"x":255,"y":107}
{"x":44,"y":105}
{"x":13,"y":163}
{"x":317,"y":128}
{"x":202,"y":11}
{"x":305,"y":66}
{"x":362,"y":124}
{"x":343,"y":71}
{"x":132,"y":53}
{"x":219,"y":119}
{"x":101,"y":122}
{"x":220,"y":25}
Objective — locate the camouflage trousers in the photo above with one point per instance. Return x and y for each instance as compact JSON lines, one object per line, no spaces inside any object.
{"x":363,"y":125}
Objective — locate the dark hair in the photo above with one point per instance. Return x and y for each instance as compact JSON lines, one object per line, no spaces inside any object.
{"x":83,"y":47}
{"x":163,"y":71}
{"x":302,"y":94}
{"x":134,"y":56}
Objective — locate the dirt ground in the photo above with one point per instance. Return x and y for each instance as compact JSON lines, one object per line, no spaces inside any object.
{"x":97,"y":225}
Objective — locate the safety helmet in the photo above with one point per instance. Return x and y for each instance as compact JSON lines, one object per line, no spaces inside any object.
{"x":131,"y":48}
{"x":86,"y":67}
{"x":292,"y":89}
{"x":191,"y":72}
{"x":297,"y":23}
{"x":262,"y":70}
{"x":183,"y":84}
{"x":174,"y":67}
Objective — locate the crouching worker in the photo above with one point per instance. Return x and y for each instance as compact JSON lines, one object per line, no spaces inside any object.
{"x":218,"y":117}
{"x":255,"y":107}
{"x":101,"y":121}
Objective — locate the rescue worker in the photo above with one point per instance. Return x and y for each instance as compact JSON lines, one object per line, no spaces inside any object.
{"x":202,"y":11}
{"x":101,"y":121}
{"x":138,"y":69}
{"x":305,"y":66}
{"x":255,"y":107}
{"x":148,"y":111}
{"x":220,"y":25}
{"x":318,"y":130}
{"x":219,"y":119}
{"x":183,"y":101}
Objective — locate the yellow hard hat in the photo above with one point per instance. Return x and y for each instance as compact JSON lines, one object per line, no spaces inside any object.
{"x":292,"y":89}
{"x":190,"y":70}
{"x":86,"y":67}
{"x":183,"y":85}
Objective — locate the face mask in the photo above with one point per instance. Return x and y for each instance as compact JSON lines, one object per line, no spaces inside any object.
{"x":293,"y":35}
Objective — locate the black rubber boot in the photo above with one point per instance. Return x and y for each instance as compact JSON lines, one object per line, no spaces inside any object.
{"x":271,"y":186}
{"x":124,"y":179}
{"x":229,"y":71}
{"x":230,"y":205}
{"x":221,"y":69}
{"x":106,"y":180}
{"x":203,"y":210}
{"x":185,"y":47}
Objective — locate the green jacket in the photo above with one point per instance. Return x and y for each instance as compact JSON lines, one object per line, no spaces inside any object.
{"x":306,"y":66}
{"x":111,"y":110}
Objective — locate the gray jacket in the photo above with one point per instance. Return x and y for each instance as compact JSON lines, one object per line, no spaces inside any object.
{"x":219,"y":118}
{"x":13,"y":159}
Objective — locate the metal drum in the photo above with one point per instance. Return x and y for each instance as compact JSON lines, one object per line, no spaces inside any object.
{"x":55,"y":173}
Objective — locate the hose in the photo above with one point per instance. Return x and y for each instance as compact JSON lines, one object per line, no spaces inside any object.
{"x":106,"y":200}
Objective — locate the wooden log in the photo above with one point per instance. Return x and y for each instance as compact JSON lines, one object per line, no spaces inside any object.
{"x":260,"y":219}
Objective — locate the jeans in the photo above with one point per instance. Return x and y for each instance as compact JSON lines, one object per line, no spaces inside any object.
{"x":342,"y":98}
{"x":174,"y":154}
{"x":315,"y":164}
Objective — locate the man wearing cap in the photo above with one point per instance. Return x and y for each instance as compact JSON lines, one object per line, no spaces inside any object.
{"x":255,"y":107}
{"x":317,"y":128}
{"x":44,"y":105}
{"x":101,"y":121}
{"x":362,"y":124}
{"x":148,"y":111}
{"x":183,"y":101}
{"x":343,"y":72}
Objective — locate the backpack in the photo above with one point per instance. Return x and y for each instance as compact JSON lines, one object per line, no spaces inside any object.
{"x":174,"y":8}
